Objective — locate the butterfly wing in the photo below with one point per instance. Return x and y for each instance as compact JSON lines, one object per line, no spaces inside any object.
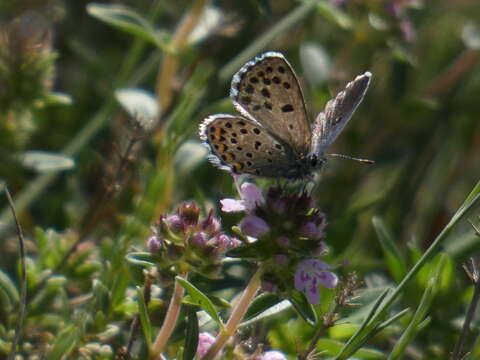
{"x":242,"y":146}
{"x":266,"y":90}
{"x":338,"y":111}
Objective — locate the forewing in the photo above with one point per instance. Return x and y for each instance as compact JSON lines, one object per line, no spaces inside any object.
{"x":243,"y":146}
{"x":338,"y":111}
{"x":266,"y":90}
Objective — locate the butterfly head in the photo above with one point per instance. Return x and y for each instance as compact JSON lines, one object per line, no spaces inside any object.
{"x":305,"y":167}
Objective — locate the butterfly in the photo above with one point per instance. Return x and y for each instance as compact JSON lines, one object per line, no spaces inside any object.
{"x":274,"y":137}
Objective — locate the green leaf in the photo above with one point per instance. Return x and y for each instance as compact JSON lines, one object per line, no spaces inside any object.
{"x":334,"y":14}
{"x":474,"y":194}
{"x":141,"y":258}
{"x":54,"y":98}
{"x":129,"y":21}
{"x":330,"y":346}
{"x":315,"y":62}
{"x":303,"y":307}
{"x":8,"y":292}
{"x":64,"y":343}
{"x":200,"y":299}
{"x":394,"y":260}
{"x":43,"y":161}
{"x":412,"y":329}
{"x":191,"y":335}
{"x":260,"y":304}
{"x":189,"y":156}
{"x":140,"y":104}
{"x":144,"y":318}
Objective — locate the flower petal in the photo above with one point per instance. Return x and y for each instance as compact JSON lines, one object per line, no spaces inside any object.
{"x":251,"y":195}
{"x":232,"y":205}
{"x":254,"y":226}
{"x":328,"y":279}
{"x":313,"y":294}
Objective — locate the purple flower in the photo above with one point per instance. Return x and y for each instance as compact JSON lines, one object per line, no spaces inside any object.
{"x":210,"y":224}
{"x":205,"y":340}
{"x":199,"y":239}
{"x":154,"y":243}
{"x":312,"y":230}
{"x":250,"y":197}
{"x":224,"y":242}
{"x":254,"y":226}
{"x":310,"y":274}
{"x":309,"y":230}
{"x":174,"y":223}
{"x":271,"y":355}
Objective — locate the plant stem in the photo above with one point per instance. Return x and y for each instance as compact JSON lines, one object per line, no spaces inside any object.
{"x":327,"y":324}
{"x":237,"y":315}
{"x":457,"y":351}
{"x":23,"y":281}
{"x":170,"y":320}
{"x":170,"y":62}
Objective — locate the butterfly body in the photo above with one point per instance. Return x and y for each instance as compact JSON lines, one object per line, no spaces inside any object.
{"x":274,"y":137}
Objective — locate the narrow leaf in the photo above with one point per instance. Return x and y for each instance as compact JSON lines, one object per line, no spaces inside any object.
{"x":9,"y":294}
{"x":141,"y":258}
{"x":129,"y":21}
{"x":64,"y":343}
{"x":191,"y":335}
{"x":200,"y":299}
{"x":260,"y":304}
{"x":43,"y":161}
{"x":334,"y":14}
{"x":394,"y":260}
{"x":144,"y":318}
{"x":303,"y":307}
{"x":419,"y":316}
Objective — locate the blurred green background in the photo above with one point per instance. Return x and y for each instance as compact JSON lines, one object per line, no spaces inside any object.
{"x":65,"y":128}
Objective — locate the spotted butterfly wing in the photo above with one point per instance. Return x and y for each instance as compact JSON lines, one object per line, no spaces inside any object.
{"x":267,"y":91}
{"x":337,"y":113}
{"x":236,"y":143}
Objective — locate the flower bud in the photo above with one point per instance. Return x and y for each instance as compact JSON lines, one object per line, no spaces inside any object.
{"x":254,"y":226}
{"x":154,"y":244}
{"x":174,"y":223}
{"x":309,"y":230}
{"x":199,"y":239}
{"x":189,"y":213}
{"x":210,"y":224}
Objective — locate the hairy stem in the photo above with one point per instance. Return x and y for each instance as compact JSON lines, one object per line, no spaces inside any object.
{"x":237,"y":315}
{"x":169,"y":322}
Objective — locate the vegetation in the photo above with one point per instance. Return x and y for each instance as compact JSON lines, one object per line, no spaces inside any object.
{"x":114,"y":241}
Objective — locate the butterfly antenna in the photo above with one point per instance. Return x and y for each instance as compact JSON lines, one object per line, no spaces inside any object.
{"x":365,"y":161}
